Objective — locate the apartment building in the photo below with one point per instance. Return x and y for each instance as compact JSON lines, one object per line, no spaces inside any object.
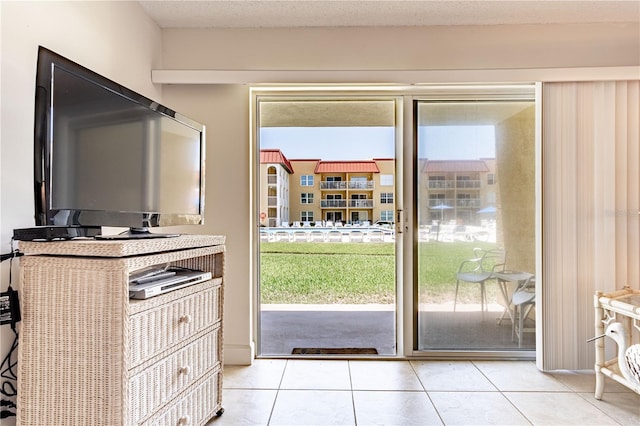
{"x":357,"y":192}
{"x":461,"y":190}
{"x":314,"y":190}
{"x":275,"y":170}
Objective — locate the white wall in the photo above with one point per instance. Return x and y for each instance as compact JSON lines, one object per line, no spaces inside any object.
{"x":406,"y":48}
{"x":114,"y":39}
{"x":224,"y":111}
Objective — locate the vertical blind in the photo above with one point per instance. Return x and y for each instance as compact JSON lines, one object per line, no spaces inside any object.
{"x":591,"y":205}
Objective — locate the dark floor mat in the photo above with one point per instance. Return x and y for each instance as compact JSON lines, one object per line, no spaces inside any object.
{"x":334,"y":351}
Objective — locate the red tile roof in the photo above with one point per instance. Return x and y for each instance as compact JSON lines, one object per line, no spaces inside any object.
{"x":368,"y":166}
{"x":441,"y":166}
{"x":275,"y":156}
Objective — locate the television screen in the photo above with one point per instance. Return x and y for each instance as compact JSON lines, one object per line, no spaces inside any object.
{"x":107,"y":156}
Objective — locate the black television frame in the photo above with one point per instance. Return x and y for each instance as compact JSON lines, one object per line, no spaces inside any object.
{"x":137,"y":222}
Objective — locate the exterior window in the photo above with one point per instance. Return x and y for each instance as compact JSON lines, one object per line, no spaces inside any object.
{"x":306,"y":180}
{"x":491,"y":179}
{"x":386,"y":215}
{"x":306,"y":198}
{"x":386,"y":180}
{"x":306,"y":216}
{"x":386,"y":198}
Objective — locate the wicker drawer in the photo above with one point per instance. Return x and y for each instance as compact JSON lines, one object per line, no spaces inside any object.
{"x":156,"y":385}
{"x":158,"y":329}
{"x":194,"y":408}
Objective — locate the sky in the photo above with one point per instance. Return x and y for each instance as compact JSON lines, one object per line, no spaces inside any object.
{"x":365,"y":143}
{"x":330,"y":143}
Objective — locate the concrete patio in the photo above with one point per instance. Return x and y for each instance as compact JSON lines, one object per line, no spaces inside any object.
{"x":286,"y":327}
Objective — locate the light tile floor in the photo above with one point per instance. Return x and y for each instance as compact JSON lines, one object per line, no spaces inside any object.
{"x":364,"y":392}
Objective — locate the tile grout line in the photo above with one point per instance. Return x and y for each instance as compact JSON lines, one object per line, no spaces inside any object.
{"x":502,"y":393}
{"x":353,"y":399}
{"x":275,"y":400}
{"x":427,"y":393}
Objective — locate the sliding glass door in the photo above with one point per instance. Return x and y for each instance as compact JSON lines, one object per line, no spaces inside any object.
{"x":400,"y":221}
{"x":475,"y":214}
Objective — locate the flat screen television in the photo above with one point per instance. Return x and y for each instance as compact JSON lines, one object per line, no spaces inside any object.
{"x":108,"y":156}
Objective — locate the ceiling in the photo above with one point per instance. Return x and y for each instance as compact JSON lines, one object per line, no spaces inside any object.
{"x":365,"y":13}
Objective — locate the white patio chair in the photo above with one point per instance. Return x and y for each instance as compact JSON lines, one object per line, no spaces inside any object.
{"x":523,"y":301}
{"x":479,"y":270}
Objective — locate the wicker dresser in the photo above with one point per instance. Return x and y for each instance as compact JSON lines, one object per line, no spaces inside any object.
{"x":88,"y":355}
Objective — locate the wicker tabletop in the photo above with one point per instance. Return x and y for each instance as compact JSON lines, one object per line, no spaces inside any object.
{"x":117,"y":248}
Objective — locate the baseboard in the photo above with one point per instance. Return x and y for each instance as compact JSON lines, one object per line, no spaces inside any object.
{"x":239,"y":354}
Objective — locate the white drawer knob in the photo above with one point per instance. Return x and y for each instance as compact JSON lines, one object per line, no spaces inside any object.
{"x":186,"y":319}
{"x":186,"y":370}
{"x":184,"y":420}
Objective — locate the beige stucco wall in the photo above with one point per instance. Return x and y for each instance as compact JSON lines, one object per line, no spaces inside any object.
{"x":300,"y":168}
{"x":387,"y":167}
{"x":515,"y":159}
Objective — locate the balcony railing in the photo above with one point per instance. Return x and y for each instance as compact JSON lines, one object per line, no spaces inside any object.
{"x":361,"y":204}
{"x":468,"y":203}
{"x":434,"y":202}
{"x":460,"y":203}
{"x":343,"y":204}
{"x":333,"y":185}
{"x":333,"y":204}
{"x":468,"y":184}
{"x":441,"y":184}
{"x":453,"y":184}
{"x":341,"y":185}
{"x":362,"y":185}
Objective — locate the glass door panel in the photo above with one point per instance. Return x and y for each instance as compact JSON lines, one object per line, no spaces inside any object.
{"x":327,"y":277}
{"x":475,"y":207}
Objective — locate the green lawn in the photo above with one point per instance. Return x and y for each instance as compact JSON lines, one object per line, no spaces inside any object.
{"x":328,"y":273}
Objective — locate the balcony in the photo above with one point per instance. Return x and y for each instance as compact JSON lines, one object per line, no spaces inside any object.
{"x":361,"y":204}
{"x":342,"y":185}
{"x":362,"y":185}
{"x":460,"y":203}
{"x":453,"y":184}
{"x":468,"y":184}
{"x":468,"y":203}
{"x":333,"y":185}
{"x":333,"y":204}
{"x":343,"y":204}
